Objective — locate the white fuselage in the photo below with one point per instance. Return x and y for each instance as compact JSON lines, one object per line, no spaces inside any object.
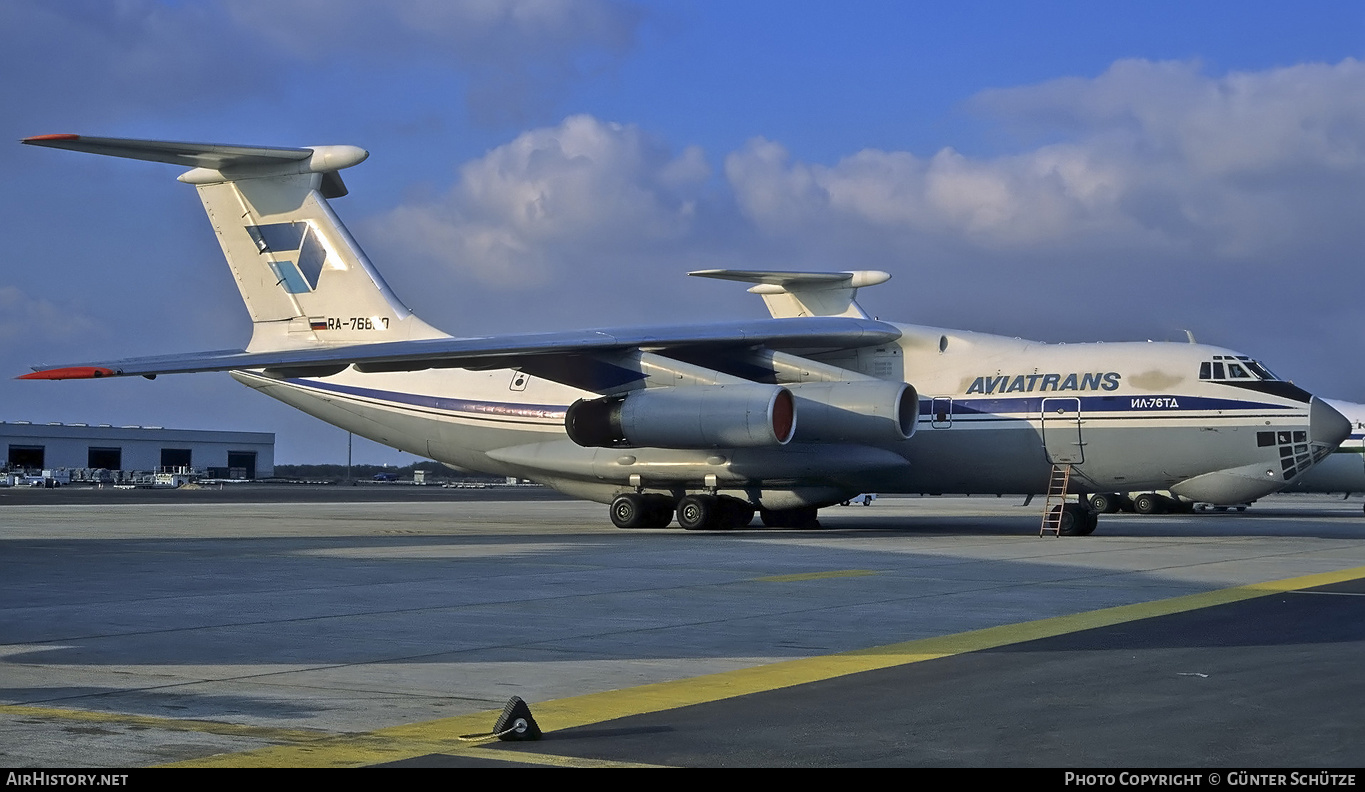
{"x":995,"y":413}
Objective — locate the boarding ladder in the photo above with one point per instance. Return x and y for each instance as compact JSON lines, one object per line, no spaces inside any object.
{"x":1054,"y":507}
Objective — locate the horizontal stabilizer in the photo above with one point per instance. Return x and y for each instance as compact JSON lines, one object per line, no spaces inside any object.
{"x":777,"y":277}
{"x":190,"y":155}
{"x":792,"y":294}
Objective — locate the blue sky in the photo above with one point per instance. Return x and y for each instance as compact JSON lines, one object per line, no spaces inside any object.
{"x":1066,"y":171}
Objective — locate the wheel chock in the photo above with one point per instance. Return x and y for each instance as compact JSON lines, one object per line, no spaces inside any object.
{"x":516,"y":722}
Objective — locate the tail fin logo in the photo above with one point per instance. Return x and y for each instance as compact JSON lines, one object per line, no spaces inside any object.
{"x":296,"y":253}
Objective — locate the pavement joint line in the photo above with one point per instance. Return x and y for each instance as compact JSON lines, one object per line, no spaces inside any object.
{"x":1332,"y":593}
{"x":170,"y":724}
{"x":837,"y":573}
{"x":441,"y":736}
{"x":547,"y":760}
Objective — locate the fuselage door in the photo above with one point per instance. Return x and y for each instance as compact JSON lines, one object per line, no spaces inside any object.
{"x":1062,"y":431}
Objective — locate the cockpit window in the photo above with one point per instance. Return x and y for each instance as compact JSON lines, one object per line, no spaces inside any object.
{"x":1234,"y":367}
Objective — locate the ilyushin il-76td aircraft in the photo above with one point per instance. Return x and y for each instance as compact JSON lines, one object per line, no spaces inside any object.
{"x":712,"y":423}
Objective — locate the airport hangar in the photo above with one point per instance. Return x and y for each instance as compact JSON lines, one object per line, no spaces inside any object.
{"x":248,"y":455}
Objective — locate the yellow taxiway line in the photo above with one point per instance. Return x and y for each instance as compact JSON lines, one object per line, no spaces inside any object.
{"x":443,"y":736}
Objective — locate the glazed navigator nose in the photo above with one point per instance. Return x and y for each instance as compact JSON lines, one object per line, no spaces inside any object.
{"x":1326,"y":425}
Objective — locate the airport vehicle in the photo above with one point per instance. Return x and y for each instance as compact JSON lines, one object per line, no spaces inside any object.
{"x":782,"y":416}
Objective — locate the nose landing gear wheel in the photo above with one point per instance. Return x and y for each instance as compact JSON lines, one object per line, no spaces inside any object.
{"x":1077,"y":520}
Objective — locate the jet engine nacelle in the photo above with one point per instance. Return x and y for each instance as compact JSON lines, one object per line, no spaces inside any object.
{"x":856,"y":412}
{"x":742,"y":415}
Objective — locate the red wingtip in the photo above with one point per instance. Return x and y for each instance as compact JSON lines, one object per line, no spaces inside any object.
{"x":50,"y":137}
{"x":74,"y":372}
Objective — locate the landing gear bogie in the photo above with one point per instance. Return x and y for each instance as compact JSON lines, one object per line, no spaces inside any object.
{"x":702,"y":512}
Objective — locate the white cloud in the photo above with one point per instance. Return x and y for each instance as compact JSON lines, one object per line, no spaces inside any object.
{"x":551,"y":200}
{"x":1308,"y":115}
{"x":1117,"y":203}
{"x":1157,"y":156}
{"x":1122,"y":223}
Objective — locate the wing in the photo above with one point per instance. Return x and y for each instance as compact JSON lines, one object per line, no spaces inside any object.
{"x":804,"y":336}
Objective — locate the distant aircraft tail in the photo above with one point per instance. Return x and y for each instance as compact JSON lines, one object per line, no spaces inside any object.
{"x":305,"y":281}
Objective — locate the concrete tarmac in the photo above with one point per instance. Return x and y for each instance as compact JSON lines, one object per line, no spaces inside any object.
{"x":299,"y":629}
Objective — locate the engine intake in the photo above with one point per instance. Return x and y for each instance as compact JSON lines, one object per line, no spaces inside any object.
{"x":742,"y":415}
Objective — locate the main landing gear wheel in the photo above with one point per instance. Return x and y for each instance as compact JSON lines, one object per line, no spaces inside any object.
{"x":697,"y":512}
{"x":713,"y":512}
{"x":628,"y":511}
{"x":1149,"y":503}
{"x":641,"y":511}
{"x":1104,"y":502}
{"x":737,"y":513}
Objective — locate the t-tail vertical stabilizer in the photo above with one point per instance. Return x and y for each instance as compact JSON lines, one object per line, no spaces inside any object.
{"x":305,"y":281}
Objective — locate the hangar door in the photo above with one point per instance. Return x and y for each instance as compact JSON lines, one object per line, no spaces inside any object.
{"x":173,"y":459}
{"x":24,"y":456}
{"x":242,"y":464}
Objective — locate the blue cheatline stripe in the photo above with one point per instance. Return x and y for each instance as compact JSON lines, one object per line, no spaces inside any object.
{"x":998,"y":409}
{"x":1100,"y":404}
{"x":543,"y":412}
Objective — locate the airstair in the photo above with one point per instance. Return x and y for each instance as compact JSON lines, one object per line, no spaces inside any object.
{"x":1054,"y":506}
